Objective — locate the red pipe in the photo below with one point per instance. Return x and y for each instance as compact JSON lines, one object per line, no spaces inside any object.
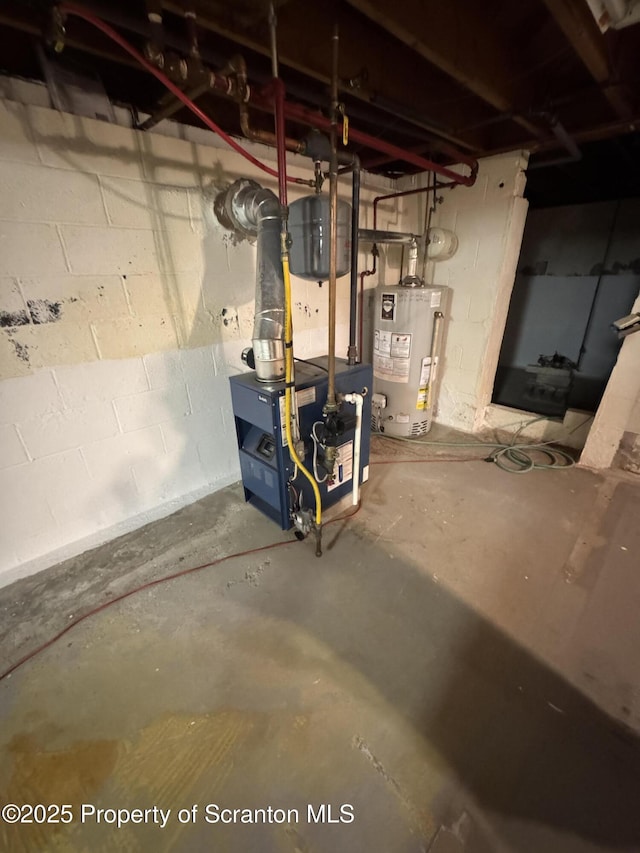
{"x":70,"y":9}
{"x":296,"y":112}
{"x":403,"y":193}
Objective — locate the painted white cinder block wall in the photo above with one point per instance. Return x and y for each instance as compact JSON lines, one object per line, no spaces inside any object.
{"x":619,"y":410}
{"x":128,"y":307}
{"x":125,"y":309}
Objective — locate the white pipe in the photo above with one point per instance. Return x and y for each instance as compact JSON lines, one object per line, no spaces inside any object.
{"x":358,"y":401}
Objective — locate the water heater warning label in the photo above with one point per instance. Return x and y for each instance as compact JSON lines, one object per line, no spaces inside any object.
{"x":391,"y":353}
{"x":423,"y":391}
{"x":382,"y":342}
{"x":400,"y":346}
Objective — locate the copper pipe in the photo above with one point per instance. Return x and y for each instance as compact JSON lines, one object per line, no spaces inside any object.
{"x":221,"y":82}
{"x":331,"y":403}
{"x":78,"y":11}
{"x":266,"y":136}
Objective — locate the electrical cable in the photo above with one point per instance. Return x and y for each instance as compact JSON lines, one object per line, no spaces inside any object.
{"x":174,"y":576}
{"x":431,"y":459}
{"x":133,"y":591}
{"x":71,"y":9}
{"x":312,"y":363}
{"x":524,"y":464}
{"x":511,"y":458}
{"x":316,"y":442}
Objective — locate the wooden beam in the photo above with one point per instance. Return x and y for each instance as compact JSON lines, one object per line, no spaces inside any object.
{"x":88,"y":43}
{"x":304,"y":37}
{"x":453,"y":36}
{"x":590,"y":134}
{"x":577,"y":23}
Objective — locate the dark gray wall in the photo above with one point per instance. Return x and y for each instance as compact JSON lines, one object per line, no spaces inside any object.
{"x":565,"y":252}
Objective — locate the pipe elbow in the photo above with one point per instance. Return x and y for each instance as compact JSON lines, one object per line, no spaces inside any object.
{"x":267,"y":205}
{"x":353,"y":398}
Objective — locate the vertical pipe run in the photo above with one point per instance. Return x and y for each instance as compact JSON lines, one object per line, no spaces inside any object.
{"x":281,"y":143}
{"x":331,"y":404}
{"x":436,"y":343}
{"x":192,"y":29}
{"x":358,"y":402}
{"x":290,"y":399}
{"x":429,"y":210}
{"x":352,"y":353}
{"x":363,"y":275}
{"x":154,"y":14}
{"x":273,"y":22}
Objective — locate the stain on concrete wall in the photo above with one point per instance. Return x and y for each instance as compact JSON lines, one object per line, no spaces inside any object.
{"x":114,"y":249}
{"x":45,"y":311}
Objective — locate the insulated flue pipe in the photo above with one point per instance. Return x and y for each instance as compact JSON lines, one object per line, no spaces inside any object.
{"x":255,"y":210}
{"x":268,"y":326}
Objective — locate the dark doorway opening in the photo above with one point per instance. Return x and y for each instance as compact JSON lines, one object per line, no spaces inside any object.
{"x":579,"y":270}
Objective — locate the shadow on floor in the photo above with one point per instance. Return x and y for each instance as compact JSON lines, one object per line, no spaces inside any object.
{"x":524,"y":744}
{"x":537,"y":766}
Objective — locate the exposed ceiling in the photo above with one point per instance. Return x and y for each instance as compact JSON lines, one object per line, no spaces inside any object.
{"x":483,"y":77}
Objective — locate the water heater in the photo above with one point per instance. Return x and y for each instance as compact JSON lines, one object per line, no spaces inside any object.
{"x":408,"y":327}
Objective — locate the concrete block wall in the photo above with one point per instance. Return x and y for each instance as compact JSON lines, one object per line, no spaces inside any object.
{"x":615,"y":435}
{"x":488,"y":219}
{"x":124,"y":307}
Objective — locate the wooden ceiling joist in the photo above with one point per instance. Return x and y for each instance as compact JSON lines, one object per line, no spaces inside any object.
{"x":577,"y":23}
{"x":455,"y":39}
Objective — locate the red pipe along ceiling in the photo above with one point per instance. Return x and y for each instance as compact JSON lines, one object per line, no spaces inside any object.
{"x":301,"y":114}
{"x":291,"y":111}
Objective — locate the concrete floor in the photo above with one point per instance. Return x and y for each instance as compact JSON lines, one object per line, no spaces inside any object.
{"x":461,"y":667}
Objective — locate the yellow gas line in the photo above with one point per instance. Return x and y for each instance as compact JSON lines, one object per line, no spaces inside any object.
{"x":289,"y":390}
